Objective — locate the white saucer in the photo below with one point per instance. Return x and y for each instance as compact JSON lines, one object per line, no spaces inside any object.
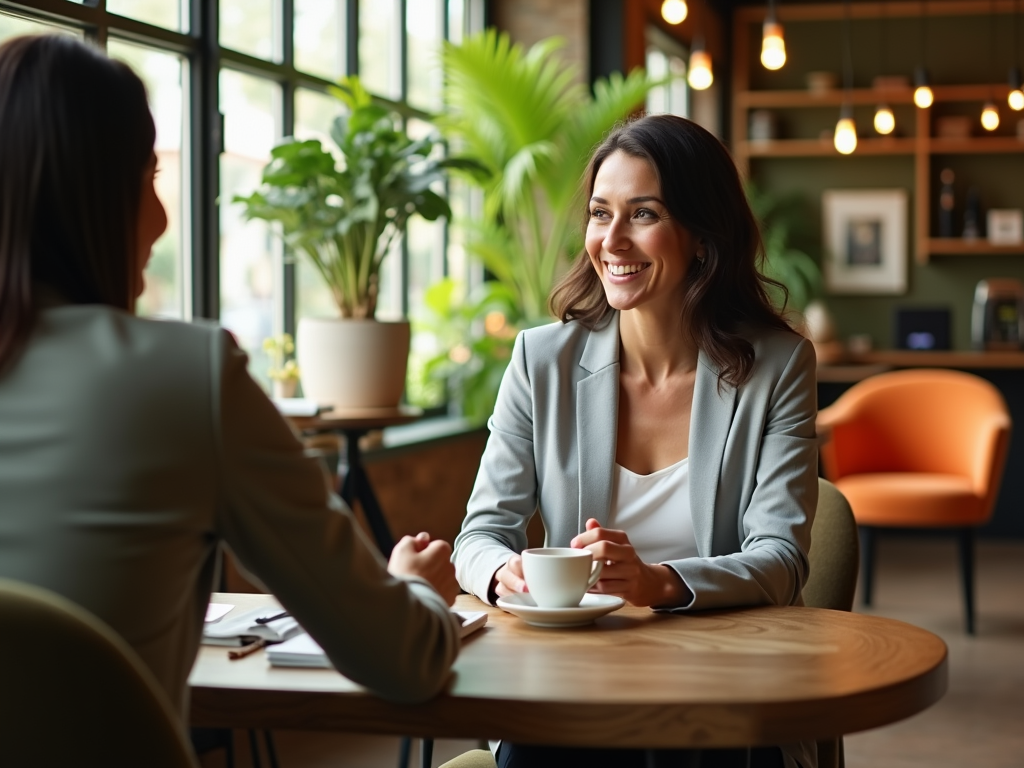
{"x":591,"y":607}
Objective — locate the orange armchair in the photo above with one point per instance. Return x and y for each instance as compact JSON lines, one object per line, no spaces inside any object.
{"x":918,"y":449}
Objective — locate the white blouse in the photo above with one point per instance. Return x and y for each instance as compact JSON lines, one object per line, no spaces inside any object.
{"x":654,"y":511}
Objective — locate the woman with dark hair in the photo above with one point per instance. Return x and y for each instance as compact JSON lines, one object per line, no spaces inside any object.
{"x":667,"y":422}
{"x":131,"y":449}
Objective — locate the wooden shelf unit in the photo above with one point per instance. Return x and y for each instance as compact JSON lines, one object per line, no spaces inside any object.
{"x":922,"y":146}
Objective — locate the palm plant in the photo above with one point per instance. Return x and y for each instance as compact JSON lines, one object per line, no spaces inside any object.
{"x":527,"y":119}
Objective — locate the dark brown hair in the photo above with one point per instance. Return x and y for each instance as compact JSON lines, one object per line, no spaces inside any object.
{"x":702,"y":191}
{"x":75,"y":137}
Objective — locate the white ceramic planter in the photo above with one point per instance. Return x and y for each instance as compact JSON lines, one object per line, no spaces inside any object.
{"x":353,"y":364}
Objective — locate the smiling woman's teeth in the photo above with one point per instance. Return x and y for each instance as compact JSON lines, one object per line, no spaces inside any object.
{"x":625,"y":269}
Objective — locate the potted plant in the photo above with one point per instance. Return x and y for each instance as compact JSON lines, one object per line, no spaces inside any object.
{"x":532,"y":124}
{"x":283,"y":371}
{"x":780,"y":217}
{"x":344,"y":214}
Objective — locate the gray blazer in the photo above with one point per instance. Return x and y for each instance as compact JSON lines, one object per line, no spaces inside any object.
{"x":130,"y":449}
{"x":753,"y":463}
{"x":753,"y":467}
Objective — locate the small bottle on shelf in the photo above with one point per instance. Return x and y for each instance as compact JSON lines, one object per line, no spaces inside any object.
{"x":946,"y":203}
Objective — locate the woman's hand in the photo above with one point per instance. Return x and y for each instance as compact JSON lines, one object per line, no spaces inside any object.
{"x":509,"y":579}
{"x":429,"y":560}
{"x":625,"y":574}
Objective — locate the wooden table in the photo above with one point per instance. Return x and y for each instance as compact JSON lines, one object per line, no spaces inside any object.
{"x":353,"y":482}
{"x":751,"y":677}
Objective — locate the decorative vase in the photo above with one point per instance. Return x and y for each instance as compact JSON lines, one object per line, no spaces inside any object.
{"x":284,"y":388}
{"x":353,"y":364}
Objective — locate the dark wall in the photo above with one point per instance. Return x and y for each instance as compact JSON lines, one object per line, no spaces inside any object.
{"x":607,"y":51}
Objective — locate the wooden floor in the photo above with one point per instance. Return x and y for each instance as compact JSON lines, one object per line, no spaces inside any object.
{"x":978,"y":722}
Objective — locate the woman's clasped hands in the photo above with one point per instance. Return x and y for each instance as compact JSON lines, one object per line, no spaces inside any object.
{"x":624,"y":574}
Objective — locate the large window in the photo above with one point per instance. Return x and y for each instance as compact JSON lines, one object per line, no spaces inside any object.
{"x":227,"y":79}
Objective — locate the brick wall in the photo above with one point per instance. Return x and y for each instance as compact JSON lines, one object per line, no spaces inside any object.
{"x":528,"y":21}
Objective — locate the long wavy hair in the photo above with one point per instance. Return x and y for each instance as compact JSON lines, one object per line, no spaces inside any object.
{"x":725,"y":291}
{"x":76,"y":135}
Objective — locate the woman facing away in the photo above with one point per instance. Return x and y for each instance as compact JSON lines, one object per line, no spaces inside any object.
{"x":130,"y":448}
{"x":667,"y":422}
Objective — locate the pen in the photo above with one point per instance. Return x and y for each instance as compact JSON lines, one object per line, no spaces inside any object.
{"x":247,"y":650}
{"x":275,"y":617}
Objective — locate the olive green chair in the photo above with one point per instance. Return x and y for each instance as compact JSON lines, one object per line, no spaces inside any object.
{"x":835,"y":558}
{"x":74,"y":693}
{"x":476,"y":758}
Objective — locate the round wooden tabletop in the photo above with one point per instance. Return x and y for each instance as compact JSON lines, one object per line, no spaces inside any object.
{"x":635,"y":678}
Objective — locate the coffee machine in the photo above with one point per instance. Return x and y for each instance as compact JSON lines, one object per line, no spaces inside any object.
{"x":997,"y":321}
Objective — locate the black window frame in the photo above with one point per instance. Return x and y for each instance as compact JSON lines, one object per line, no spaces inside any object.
{"x":206,"y":57}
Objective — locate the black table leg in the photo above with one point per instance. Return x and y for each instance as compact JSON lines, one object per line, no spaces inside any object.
{"x":356,"y":485}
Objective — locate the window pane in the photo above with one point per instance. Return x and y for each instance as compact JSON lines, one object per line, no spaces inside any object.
{"x":424,"y":30}
{"x":169,"y":14}
{"x":12,"y":26}
{"x":251,"y":270}
{"x":456,"y":20}
{"x":425,"y":240}
{"x":378,"y":47}
{"x":320,"y":37}
{"x":314,"y":113}
{"x":251,"y":26}
{"x":166,"y":274}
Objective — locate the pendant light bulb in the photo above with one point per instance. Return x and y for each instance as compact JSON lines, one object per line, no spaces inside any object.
{"x":699,"y":74}
{"x":674,"y":11}
{"x":773,"y":45}
{"x":1016,"y":96}
{"x":923,"y":96}
{"x":885,"y":121}
{"x":846,"y":131}
{"x":990,"y":117}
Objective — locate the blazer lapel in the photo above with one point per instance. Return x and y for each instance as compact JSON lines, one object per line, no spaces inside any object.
{"x":597,"y":405}
{"x":710,"y":422}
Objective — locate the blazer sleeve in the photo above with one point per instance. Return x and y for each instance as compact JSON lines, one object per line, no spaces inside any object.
{"x":775,"y":526}
{"x":277,"y":514}
{"x":504,"y":496}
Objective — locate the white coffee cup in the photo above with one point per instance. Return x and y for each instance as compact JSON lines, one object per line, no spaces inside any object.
{"x":558,"y":577}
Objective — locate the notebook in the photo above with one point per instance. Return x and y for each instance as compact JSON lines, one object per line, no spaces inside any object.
{"x":303,"y":651}
{"x":243,"y":628}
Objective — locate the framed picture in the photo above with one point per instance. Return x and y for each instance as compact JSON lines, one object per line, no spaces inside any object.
{"x":865,"y":240}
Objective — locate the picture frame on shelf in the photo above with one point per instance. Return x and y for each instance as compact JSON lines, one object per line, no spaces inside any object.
{"x":865,"y":241}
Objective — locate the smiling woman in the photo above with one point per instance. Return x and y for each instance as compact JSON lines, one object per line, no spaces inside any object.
{"x":667,"y":423}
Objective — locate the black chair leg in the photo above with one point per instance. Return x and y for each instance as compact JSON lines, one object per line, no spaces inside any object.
{"x":966,"y":539}
{"x":867,"y":562}
{"x":404,"y":748}
{"x":426,"y":753}
{"x":254,"y":747}
{"x":268,"y":737}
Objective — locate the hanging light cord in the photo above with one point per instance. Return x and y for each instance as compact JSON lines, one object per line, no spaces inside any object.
{"x":883,"y":53}
{"x":924,"y":34}
{"x":992,"y":36}
{"x":1016,"y":33}
{"x":847,"y":53}
{"x":771,"y":11}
